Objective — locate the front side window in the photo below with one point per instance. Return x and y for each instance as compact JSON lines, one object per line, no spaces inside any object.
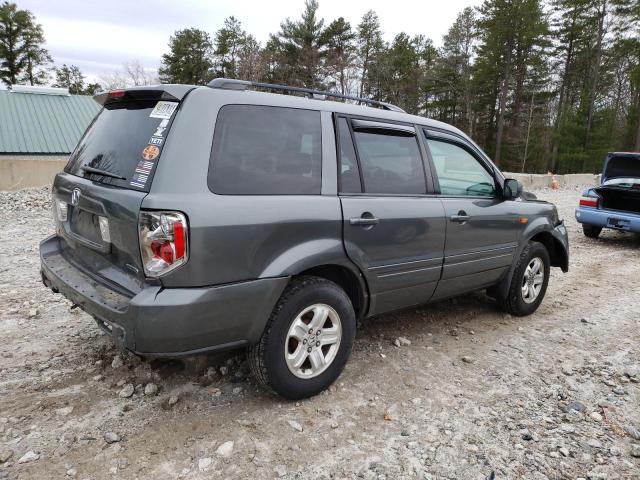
{"x":263,"y":150}
{"x":391,"y":163}
{"x":459,"y":172}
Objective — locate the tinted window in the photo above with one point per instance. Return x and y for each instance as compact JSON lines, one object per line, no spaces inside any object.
{"x":349,"y":175}
{"x":123,"y":140}
{"x":390,"y":163}
{"x":459,"y":172}
{"x":260,"y":150}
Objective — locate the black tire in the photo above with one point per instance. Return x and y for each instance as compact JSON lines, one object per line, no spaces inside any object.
{"x":514,"y":303}
{"x":266,"y":358}
{"x":591,"y":231}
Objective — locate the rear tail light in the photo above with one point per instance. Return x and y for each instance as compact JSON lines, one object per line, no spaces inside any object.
{"x":163,"y":241}
{"x":60,"y":209}
{"x":589,"y":202}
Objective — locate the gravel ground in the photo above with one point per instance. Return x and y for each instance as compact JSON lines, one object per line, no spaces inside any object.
{"x":470,"y":393}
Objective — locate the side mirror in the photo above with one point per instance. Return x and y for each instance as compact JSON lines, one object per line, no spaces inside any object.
{"x":511,"y":189}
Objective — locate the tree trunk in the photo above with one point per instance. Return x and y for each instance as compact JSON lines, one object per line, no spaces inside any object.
{"x":636,"y":147}
{"x":488,"y":138}
{"x":502,"y":105}
{"x":564,"y":85}
{"x":595,"y":76}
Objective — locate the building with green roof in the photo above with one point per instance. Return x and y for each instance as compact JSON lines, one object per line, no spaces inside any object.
{"x":39,"y":128}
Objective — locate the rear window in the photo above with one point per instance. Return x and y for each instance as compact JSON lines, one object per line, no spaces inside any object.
{"x":391,"y":164}
{"x":125,"y":140}
{"x":262,"y":150}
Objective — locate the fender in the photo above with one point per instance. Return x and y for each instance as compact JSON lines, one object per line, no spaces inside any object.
{"x":315,"y":254}
{"x":559,"y":250}
{"x":304,"y":256}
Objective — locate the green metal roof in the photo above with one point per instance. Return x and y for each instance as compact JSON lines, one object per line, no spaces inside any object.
{"x":32,"y":123}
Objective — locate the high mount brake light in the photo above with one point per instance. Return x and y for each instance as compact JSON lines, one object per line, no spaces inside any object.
{"x":116,"y":93}
{"x":589,"y":202}
{"x":163,"y":241}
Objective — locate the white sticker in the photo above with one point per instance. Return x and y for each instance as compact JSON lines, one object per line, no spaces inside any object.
{"x":163,"y":110}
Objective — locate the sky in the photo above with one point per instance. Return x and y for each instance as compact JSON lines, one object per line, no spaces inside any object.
{"x":99,"y":36}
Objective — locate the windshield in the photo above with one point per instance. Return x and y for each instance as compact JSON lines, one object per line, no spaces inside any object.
{"x":123,"y":144}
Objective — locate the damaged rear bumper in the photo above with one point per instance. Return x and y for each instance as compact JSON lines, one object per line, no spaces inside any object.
{"x":165,"y":322}
{"x":624,"y":221}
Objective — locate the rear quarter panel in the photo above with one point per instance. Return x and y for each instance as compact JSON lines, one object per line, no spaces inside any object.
{"x":235,"y":238}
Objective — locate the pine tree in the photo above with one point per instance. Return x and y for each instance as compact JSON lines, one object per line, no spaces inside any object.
{"x":71,"y":78}
{"x":340,"y":57}
{"x":299,"y":43}
{"x":251,"y":61}
{"x":627,"y":44}
{"x":229,"y":42}
{"x":512,"y":33}
{"x":450,"y":81}
{"x":22,"y":54}
{"x":370,"y":48}
{"x":189,"y":59}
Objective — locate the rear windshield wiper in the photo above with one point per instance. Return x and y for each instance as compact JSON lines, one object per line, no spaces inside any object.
{"x":102,"y":172}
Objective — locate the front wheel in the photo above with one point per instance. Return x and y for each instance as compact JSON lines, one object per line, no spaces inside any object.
{"x":591,"y":231}
{"x":307,"y":340}
{"x":529,"y":281}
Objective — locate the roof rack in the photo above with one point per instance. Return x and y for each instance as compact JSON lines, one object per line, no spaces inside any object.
{"x":232,"y":84}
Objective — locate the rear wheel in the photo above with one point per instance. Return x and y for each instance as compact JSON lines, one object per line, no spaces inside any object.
{"x":591,"y":231}
{"x":529,"y":281}
{"x":307,"y":340}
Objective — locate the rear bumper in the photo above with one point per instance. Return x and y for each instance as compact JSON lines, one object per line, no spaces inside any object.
{"x":161,"y":321}
{"x":624,"y":221}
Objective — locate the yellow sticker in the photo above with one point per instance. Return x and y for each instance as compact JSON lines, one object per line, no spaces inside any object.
{"x":150,"y":152}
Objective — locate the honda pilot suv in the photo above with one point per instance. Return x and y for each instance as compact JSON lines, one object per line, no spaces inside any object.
{"x":192,"y":219}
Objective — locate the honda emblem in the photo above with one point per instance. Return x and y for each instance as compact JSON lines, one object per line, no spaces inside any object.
{"x":75,"y":196}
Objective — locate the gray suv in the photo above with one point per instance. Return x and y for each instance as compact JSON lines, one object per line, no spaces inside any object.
{"x":191,"y":219}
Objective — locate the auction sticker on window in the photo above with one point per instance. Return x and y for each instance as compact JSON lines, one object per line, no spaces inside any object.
{"x":163,"y":110}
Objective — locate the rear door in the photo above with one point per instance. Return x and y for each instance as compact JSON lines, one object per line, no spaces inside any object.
{"x":481,"y":228}
{"x":393,"y":229}
{"x":105,"y":181}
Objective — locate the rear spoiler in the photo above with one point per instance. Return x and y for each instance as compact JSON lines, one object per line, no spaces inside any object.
{"x":172,"y":93}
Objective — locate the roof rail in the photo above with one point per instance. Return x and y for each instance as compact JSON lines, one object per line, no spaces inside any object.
{"x":232,"y":84}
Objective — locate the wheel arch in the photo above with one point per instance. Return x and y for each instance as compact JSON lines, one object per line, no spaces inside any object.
{"x":542,"y":233}
{"x":557,"y":253}
{"x":348,"y":278}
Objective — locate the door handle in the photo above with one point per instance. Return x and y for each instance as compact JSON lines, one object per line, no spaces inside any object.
{"x":366,"y":220}
{"x":461,"y":217}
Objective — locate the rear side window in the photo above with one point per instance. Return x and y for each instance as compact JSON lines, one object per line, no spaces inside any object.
{"x":349,"y":175}
{"x":262,"y":150}
{"x":125,"y":140}
{"x":391,"y":164}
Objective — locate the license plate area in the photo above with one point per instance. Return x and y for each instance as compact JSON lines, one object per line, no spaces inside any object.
{"x":618,"y":223}
{"x":85,"y":224}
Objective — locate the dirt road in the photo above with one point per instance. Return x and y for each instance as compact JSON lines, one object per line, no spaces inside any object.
{"x":554,"y":395}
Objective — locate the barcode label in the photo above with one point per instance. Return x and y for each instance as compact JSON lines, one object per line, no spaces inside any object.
{"x":163,"y":110}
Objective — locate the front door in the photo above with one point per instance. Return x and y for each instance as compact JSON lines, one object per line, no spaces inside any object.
{"x":481,"y":228}
{"x":393,"y":230}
